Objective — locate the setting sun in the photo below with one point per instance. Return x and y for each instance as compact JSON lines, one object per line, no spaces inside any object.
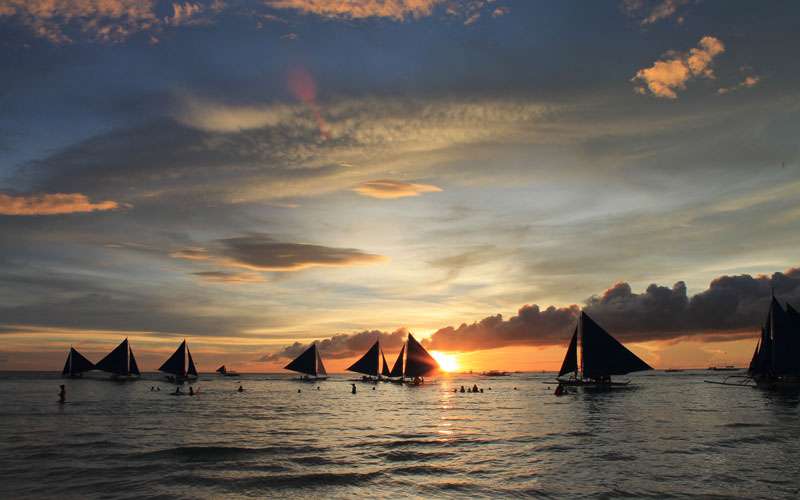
{"x":447,"y":362}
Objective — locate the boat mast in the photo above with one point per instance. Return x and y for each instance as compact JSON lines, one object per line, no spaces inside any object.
{"x":579,"y":344}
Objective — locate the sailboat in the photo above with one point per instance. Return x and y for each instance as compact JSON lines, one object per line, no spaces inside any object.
{"x":309,"y":364}
{"x":227,"y":373}
{"x":76,"y":365}
{"x":776,"y":360}
{"x":176,"y":366}
{"x":370,"y":364}
{"x":120,"y":363}
{"x":418,"y":363}
{"x":601,"y":356}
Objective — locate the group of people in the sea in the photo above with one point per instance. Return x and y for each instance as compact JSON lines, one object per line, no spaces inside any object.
{"x":474,"y":388}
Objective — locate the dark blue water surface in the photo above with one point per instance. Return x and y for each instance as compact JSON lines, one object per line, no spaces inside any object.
{"x":668,"y":435}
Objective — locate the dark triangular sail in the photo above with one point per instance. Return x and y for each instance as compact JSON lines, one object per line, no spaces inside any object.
{"x":397,"y":369}
{"x":369,"y":363}
{"x":385,"y":370}
{"x":76,"y":363}
{"x":785,"y":341}
{"x":176,"y":364}
{"x":418,"y":362}
{"x":133,"y":368}
{"x":764,"y":361}
{"x":116,"y":361}
{"x":570,"y":363}
{"x":753,"y":368}
{"x":309,"y":363}
{"x":222,"y":369}
{"x":603,"y":355}
{"x":191,"y":370}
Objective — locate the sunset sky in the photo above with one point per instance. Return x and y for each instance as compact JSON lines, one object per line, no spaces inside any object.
{"x":257,"y":175}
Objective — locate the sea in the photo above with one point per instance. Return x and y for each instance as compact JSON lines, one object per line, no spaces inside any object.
{"x":668,"y":435}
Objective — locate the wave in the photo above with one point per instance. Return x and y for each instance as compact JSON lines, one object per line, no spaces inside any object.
{"x":216,"y":453}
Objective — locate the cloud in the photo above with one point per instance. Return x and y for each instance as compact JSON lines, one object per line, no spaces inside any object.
{"x":732,"y":307}
{"x":648,"y":12}
{"x":107,"y":21}
{"x":392,"y":9}
{"x":666,"y":77}
{"x":387,"y":189}
{"x":51,"y":204}
{"x":344,"y":345}
{"x":748,"y":82}
{"x":262,"y":253}
{"x":224,"y":277}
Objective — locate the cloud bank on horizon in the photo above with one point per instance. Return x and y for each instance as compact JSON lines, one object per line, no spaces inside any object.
{"x":732,"y":307}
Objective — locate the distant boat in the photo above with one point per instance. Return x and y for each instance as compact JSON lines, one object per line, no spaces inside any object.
{"x":497,"y":373}
{"x":776,"y":360}
{"x":418,"y":363}
{"x":120,"y":363}
{"x":309,"y":364}
{"x":76,"y":365}
{"x":726,"y":368}
{"x":369,"y":365}
{"x":176,"y":366}
{"x":227,"y":373}
{"x":601,"y":356}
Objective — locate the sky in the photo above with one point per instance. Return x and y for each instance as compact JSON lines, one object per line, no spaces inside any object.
{"x":254,"y":176}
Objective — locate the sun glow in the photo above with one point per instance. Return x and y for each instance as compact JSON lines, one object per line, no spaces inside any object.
{"x":447,"y":362}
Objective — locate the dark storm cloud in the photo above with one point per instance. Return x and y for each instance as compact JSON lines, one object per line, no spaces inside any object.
{"x":344,"y":345}
{"x":732,"y":307}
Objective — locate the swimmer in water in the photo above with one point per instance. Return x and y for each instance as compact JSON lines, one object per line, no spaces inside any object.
{"x":62,"y":395}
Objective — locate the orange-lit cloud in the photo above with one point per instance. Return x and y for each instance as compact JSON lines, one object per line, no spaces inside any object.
{"x":648,"y":11}
{"x":108,"y":21}
{"x":261,"y":253}
{"x":358,"y":9}
{"x":388,"y":189}
{"x":666,"y":77}
{"x":105,"y":20}
{"x":750,"y":81}
{"x":51,"y":204}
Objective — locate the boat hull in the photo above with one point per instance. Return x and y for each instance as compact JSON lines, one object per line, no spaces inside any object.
{"x":576,"y":382}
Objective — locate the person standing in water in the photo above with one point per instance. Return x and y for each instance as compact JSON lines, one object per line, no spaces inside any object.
{"x":62,"y":395}
{"x":354,"y":388}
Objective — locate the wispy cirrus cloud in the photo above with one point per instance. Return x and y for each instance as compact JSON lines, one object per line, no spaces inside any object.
{"x":262,"y":253}
{"x":392,"y":9}
{"x":52,"y":204}
{"x":389,"y":189}
{"x":671,"y":74}
{"x":224,"y":277}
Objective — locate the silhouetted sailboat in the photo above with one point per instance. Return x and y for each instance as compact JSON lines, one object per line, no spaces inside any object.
{"x":227,"y":373}
{"x":418,"y":363}
{"x":176,"y":366}
{"x":76,"y":365}
{"x":120,"y":363}
{"x":776,"y":361}
{"x":309,"y":364}
{"x":370,"y":364}
{"x":601,"y":356}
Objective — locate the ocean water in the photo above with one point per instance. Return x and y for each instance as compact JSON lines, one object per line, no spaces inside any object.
{"x":669,"y":435}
